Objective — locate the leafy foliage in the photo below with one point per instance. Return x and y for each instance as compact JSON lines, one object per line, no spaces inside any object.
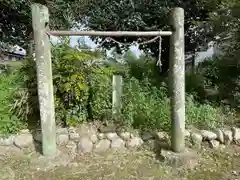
{"x":9,"y":123}
{"x":16,"y":23}
{"x":26,"y":106}
{"x":143,"y":15}
{"x":145,"y":106}
{"x":222,"y":72}
{"x":4,"y":69}
{"x":71,"y":78}
{"x":195,"y":85}
{"x":70,"y":83}
{"x":101,"y":94}
{"x":205,"y":116}
{"x":83,"y":91}
{"x":148,"y":107}
{"x":209,"y":71}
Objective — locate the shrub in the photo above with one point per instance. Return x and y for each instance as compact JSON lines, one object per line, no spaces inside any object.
{"x":70,"y":84}
{"x":25,"y":105}
{"x":229,"y":77}
{"x":204,"y":116}
{"x":81,"y":85}
{"x":148,"y":107}
{"x":195,"y":85}
{"x":4,"y":69}
{"x":83,"y":91}
{"x":144,"y":106}
{"x":73,"y":74}
{"x":101,"y":93}
{"x":209,"y":70}
{"x":144,"y":68}
{"x":9,"y":123}
{"x":203,"y":84}
{"x":222,"y":74}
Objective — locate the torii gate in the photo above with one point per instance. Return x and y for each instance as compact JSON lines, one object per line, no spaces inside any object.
{"x":40,"y":20}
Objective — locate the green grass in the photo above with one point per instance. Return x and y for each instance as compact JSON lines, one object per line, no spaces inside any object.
{"x":143,"y":106}
{"x":8,"y":122}
{"x":14,"y":64}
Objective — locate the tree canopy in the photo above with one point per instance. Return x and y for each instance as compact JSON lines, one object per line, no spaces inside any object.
{"x":16,"y":23}
{"x":143,"y":15}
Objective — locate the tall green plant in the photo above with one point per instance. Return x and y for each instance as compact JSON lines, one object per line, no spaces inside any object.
{"x":25,"y":105}
{"x":71,"y":69}
{"x":83,"y":91}
{"x":9,"y":123}
{"x":145,"y":106}
{"x":101,"y":93}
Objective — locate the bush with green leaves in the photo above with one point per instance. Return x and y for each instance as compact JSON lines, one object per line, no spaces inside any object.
{"x":101,"y":93}
{"x":144,"y":106}
{"x":205,"y":116}
{"x":83,"y":91}
{"x":25,"y":105}
{"x":195,"y":85}
{"x":4,"y":68}
{"x":76,"y":73}
{"x":9,"y":123}
{"x":70,"y":83}
{"x":148,"y":107}
{"x":209,"y":70}
{"x":144,"y":67}
{"x":220,"y":74}
{"x":229,"y":77}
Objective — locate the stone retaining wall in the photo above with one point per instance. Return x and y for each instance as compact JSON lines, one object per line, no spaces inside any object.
{"x":87,"y":139}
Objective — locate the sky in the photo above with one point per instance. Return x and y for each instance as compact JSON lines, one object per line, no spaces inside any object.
{"x":199,"y":55}
{"x":90,"y":43}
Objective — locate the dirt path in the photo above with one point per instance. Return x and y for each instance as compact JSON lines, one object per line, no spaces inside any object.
{"x":139,"y":165}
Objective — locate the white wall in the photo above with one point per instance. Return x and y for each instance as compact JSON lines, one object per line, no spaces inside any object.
{"x":202,"y":55}
{"x":18,"y":50}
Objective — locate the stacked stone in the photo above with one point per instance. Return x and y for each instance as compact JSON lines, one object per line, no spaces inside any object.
{"x":216,"y":138}
{"x":86,"y":138}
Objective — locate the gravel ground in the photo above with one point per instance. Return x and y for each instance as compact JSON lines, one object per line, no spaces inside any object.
{"x":122,"y":165}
